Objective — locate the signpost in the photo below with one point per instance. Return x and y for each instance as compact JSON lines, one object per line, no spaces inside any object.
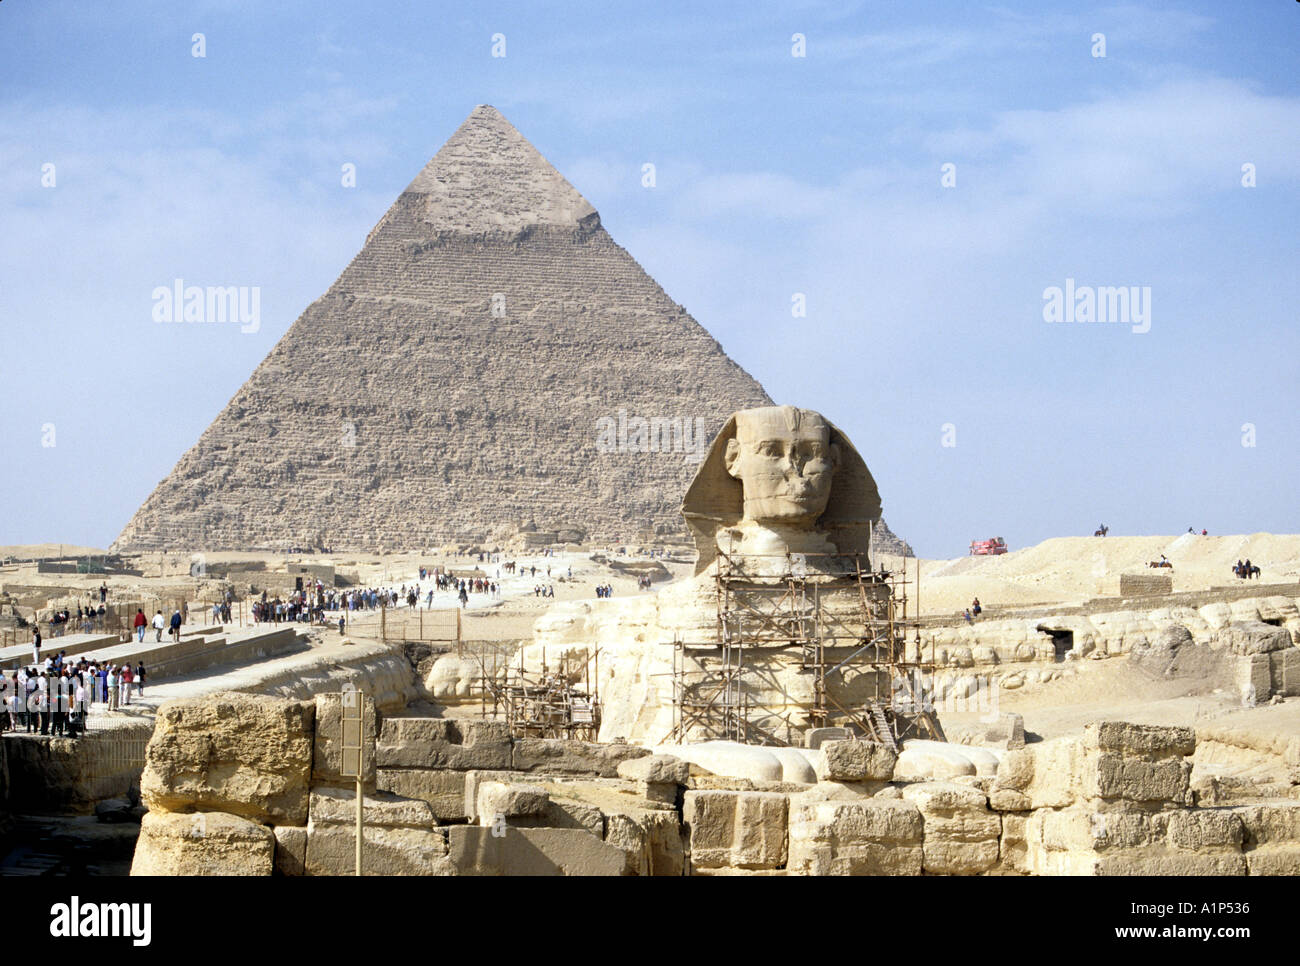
{"x":352,"y":744}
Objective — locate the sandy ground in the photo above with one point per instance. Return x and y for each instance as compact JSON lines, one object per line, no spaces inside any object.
{"x":1067,"y":570}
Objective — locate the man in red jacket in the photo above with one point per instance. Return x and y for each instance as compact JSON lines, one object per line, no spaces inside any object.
{"x":141,"y":622}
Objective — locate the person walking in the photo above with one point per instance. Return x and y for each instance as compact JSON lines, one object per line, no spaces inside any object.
{"x":128,"y":676}
{"x":141,"y":622}
{"x":36,"y":644}
{"x":113,"y":685}
{"x":43,"y":701}
{"x":139,"y":678}
{"x":158,"y":624}
{"x":176,"y":625}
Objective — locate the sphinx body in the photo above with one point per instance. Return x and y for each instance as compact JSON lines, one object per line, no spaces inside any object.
{"x":781,"y":494}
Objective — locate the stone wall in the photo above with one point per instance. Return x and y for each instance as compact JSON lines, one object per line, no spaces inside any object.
{"x":1253,"y":639}
{"x":445,"y":797}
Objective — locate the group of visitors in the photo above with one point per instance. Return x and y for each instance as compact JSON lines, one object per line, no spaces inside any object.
{"x":643,"y":582}
{"x":540,"y":590}
{"x":604,"y":590}
{"x":55,"y":696}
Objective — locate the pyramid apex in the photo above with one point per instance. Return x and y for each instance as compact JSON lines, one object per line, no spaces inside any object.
{"x":489,"y":177}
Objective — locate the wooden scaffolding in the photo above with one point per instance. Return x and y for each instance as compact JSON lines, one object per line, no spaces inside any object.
{"x":780,"y":608}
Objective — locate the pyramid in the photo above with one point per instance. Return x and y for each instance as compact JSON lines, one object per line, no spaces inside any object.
{"x":484,"y":360}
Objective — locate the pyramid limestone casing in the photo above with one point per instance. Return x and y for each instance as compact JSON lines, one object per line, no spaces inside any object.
{"x":461,"y":421}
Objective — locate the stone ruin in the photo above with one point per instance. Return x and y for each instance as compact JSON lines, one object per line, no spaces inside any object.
{"x":246,"y":785}
{"x":490,"y":355}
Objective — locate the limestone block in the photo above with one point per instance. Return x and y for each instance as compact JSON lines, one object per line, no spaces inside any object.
{"x":1206,"y":830}
{"x":444,"y":790}
{"x":290,"y":850}
{"x":331,"y":850}
{"x":327,"y":749}
{"x":1012,"y":847}
{"x":655,"y":769}
{"x":475,"y":850}
{"x":1274,"y":860}
{"x":399,"y":836}
{"x":570,"y":757}
{"x":743,"y":830}
{"x":338,"y":806}
{"x":1158,"y":862}
{"x":961,"y":836}
{"x":651,"y":840}
{"x":835,"y":791}
{"x":499,"y":801}
{"x":1150,"y":742}
{"x":202,"y":843}
{"x":1277,"y":823}
{"x":245,"y":754}
{"x":472,"y":781}
{"x":815,"y":737}
{"x":856,"y":761}
{"x":1006,"y":800}
{"x":1254,"y":678}
{"x":565,"y":813}
{"x":1112,"y":775}
{"x":867,"y":837}
{"x":1284,"y":672}
{"x":444,"y":743}
{"x":1253,"y":637}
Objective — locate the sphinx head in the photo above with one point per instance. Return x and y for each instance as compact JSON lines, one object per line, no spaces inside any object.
{"x":784,"y":459}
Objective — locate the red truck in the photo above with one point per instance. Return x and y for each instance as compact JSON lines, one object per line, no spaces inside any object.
{"x":986,"y":548}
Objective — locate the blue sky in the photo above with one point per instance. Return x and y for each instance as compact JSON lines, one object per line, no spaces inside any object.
{"x":775,"y":175}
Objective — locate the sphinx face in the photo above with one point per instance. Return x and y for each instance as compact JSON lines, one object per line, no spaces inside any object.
{"x":784,"y":460}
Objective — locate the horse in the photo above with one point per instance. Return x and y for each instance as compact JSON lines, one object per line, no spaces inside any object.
{"x":1101,"y":531}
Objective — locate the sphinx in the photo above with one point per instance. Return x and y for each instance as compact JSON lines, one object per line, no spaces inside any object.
{"x":781,"y":493}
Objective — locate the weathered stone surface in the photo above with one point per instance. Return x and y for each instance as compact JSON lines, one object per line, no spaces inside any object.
{"x":476,"y":850}
{"x":1274,"y":860}
{"x":338,"y":806}
{"x":487,"y":215}
{"x":1206,"y":830}
{"x":1253,"y":637}
{"x":444,"y":790}
{"x":1276,"y":823}
{"x":869,"y":837}
{"x":444,"y":743}
{"x":498,"y":801}
{"x":202,"y":843}
{"x":655,"y":770}
{"x":331,"y":850}
{"x":1111,"y":775}
{"x":571,"y":757}
{"x":856,"y":761}
{"x":1012,"y":849}
{"x":650,"y":839}
{"x":961,"y":836}
{"x":327,"y":753}
{"x":399,"y":836}
{"x":245,"y":754}
{"x":1150,"y":742}
{"x":743,"y":830}
{"x":290,"y":850}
